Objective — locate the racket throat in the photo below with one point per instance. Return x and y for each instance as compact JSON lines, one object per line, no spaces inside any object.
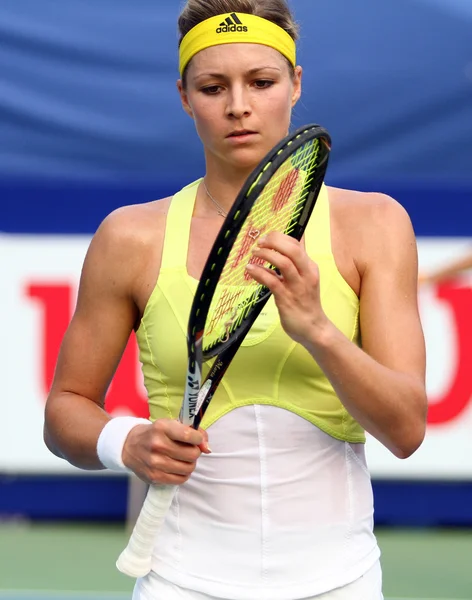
{"x":202,"y":394}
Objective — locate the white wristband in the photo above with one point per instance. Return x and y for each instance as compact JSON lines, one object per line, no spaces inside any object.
{"x":112,"y":439}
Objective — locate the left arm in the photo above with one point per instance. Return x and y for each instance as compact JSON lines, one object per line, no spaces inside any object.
{"x":382,"y":385}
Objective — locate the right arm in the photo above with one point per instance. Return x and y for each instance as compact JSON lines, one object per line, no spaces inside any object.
{"x":105,"y":315}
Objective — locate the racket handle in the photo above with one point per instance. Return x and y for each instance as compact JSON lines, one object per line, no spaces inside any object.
{"x":136,"y":558}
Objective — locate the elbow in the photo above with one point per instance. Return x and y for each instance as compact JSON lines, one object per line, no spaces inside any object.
{"x":411,"y":435}
{"x":411,"y":438}
{"x":48,"y":437}
{"x":49,"y":443}
{"x":409,"y":446}
{"x":47,"y":440}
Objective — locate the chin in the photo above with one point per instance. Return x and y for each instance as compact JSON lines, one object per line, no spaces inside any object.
{"x":248,"y":158}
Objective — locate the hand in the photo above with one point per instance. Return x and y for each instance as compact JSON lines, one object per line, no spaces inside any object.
{"x":296,"y":290}
{"x":165,"y":452}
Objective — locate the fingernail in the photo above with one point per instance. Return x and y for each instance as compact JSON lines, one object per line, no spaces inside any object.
{"x":209,"y":449}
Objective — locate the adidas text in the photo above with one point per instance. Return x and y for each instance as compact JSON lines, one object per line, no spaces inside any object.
{"x":228,"y":28}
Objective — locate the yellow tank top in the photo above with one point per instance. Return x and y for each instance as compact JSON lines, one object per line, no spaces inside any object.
{"x":269,"y":367}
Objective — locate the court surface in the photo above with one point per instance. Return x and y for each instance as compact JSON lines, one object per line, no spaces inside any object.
{"x":77,"y":562}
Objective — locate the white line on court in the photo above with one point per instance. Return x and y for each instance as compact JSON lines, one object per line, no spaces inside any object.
{"x":415,"y":598}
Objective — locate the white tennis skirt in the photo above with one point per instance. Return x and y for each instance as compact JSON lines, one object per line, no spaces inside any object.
{"x":367,"y":587}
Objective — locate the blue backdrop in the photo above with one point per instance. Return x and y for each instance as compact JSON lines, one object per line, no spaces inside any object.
{"x":90,"y":118}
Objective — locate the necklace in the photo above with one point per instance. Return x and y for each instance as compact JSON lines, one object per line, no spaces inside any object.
{"x":220,"y":210}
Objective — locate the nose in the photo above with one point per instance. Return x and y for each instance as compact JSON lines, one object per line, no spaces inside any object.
{"x":238,"y":102}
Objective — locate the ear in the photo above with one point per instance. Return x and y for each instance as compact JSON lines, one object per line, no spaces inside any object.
{"x":184,"y":99}
{"x":297,"y":85}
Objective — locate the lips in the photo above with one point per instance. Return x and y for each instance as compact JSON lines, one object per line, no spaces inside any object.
{"x":241,"y":132}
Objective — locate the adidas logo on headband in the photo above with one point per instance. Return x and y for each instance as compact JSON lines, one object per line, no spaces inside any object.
{"x":231,"y":23}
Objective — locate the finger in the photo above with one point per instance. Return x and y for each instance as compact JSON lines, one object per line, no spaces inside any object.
{"x":166,"y":440}
{"x":287,"y":246}
{"x":183,"y":452}
{"x":267,"y":277}
{"x":159,"y":464}
{"x":176,"y":467}
{"x":286,"y":267}
{"x":204,"y":447}
{"x":183,"y":433}
{"x":162,"y":477}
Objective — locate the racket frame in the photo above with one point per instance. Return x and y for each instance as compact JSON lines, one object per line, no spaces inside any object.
{"x":197,"y":396}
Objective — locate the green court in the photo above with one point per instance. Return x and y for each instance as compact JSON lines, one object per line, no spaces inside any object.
{"x":76,"y":562}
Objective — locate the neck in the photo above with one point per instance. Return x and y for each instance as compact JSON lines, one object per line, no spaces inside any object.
{"x":225,"y":184}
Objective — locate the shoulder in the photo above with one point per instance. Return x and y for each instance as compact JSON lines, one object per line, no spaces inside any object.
{"x":135,"y":221}
{"x":132,"y":226}
{"x":127,"y":238}
{"x":372,"y":213}
{"x":373,"y":224}
{"x":373,"y":206}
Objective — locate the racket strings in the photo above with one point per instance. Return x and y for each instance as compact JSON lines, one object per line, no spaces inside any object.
{"x":277,"y":208}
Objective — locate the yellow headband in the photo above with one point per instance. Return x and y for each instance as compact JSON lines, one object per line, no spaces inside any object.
{"x":235,"y":28}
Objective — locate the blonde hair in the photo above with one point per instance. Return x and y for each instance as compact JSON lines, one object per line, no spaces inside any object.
{"x":277,"y":11}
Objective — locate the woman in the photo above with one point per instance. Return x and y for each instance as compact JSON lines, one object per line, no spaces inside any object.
{"x":281,"y":507}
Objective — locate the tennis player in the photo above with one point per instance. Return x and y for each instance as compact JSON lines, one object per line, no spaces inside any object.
{"x":280,"y":507}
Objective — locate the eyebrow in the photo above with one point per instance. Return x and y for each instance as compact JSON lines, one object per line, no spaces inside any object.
{"x":250,"y":72}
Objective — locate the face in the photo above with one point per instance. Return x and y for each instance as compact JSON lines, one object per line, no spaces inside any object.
{"x":241,"y":98}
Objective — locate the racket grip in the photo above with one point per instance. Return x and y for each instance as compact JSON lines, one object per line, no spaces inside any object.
{"x":136,"y":558}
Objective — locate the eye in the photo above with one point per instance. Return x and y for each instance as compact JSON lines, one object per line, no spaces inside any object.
{"x":211,"y":90}
{"x":261,"y":84}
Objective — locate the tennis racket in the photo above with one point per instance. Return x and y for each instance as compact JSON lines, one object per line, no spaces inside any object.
{"x":279,"y":195}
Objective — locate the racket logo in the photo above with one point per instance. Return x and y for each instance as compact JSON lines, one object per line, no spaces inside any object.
{"x":193,"y":387}
{"x":231,"y":24}
{"x":285,"y":191}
